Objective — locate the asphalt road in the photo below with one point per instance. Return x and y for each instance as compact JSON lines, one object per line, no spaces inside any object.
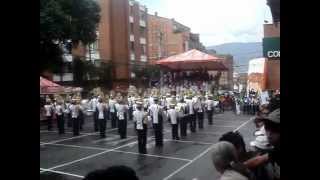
{"x":64,"y":157}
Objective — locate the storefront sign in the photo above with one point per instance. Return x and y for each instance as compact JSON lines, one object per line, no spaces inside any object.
{"x":271,"y":47}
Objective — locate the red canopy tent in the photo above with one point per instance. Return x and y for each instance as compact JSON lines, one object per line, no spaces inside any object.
{"x":193,"y":60}
{"x":49,"y":87}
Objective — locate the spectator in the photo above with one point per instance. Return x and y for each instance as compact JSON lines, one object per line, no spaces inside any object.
{"x":113,"y":173}
{"x":272,"y":127}
{"x":236,"y":139}
{"x":225,"y":160}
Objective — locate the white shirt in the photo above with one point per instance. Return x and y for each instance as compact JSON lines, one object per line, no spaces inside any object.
{"x":48,"y":109}
{"x":138,"y":117}
{"x":209,"y":104}
{"x":59,"y":110}
{"x":151,"y":101}
{"x":173,"y":115}
{"x":74,"y":111}
{"x":190,"y":104}
{"x":67,"y":108}
{"x":101,"y":107}
{"x":121,"y":109}
{"x":112,"y":103}
{"x":94,"y":103}
{"x":154,"y":110}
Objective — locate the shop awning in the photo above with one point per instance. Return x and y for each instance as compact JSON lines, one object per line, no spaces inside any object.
{"x":193,"y":60}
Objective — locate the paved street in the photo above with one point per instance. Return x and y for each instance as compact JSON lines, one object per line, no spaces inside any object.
{"x":64,"y":157}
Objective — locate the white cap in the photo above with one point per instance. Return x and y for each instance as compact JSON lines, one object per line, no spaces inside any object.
{"x":261,"y":142}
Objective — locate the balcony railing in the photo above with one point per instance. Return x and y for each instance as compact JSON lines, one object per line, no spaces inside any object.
{"x":142,"y":23}
{"x":143,"y":58}
{"x":131,"y":19}
{"x":143,"y":40}
{"x":131,"y":37}
{"x":132,"y":56}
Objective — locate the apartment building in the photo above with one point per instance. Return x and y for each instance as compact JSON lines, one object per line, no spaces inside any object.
{"x":123,"y":36}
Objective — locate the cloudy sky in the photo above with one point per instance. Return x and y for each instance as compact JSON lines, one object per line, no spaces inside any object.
{"x":217,"y":21}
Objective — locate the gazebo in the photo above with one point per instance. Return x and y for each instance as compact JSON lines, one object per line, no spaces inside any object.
{"x":192,"y":60}
{"x":49,"y":87}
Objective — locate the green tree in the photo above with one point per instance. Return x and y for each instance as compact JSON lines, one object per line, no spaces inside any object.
{"x":62,"y":21}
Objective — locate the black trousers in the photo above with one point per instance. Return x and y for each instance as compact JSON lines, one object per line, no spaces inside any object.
{"x":210,"y":113}
{"x":175,"y":131}
{"x":200,"y":120}
{"x":193,"y":122}
{"x":81,"y":119}
{"x":130,"y":113}
{"x":123,"y":128}
{"x":158,"y":134}
{"x":113,"y":117}
{"x":103,"y":127}
{"x":49,"y":120}
{"x":69,"y":120}
{"x":95,"y":121}
{"x":142,"y":140}
{"x":183,"y":126}
{"x":76,"y":126}
{"x":60,"y":122}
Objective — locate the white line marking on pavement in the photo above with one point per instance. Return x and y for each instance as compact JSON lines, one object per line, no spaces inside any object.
{"x":197,"y":142}
{"x":159,"y":156}
{"x":60,"y":172}
{"x":199,"y":156}
{"x":223,"y":126}
{"x":245,"y":123}
{"x":76,"y":137}
{"x":91,"y":156}
{"x":75,"y":146}
{"x":67,"y":132}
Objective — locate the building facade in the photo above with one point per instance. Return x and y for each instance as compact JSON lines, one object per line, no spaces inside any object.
{"x":166,"y":37}
{"x":256,"y":75}
{"x":123,"y":38}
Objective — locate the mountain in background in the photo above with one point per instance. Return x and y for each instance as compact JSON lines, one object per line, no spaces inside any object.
{"x":242,"y":53}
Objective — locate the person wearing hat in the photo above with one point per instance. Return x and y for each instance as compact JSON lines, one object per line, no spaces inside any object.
{"x":113,"y":111}
{"x":173,"y":119}
{"x":156,"y":113}
{"x":75,"y":108}
{"x":60,"y":120}
{"x":182,"y":117}
{"x":210,"y":108}
{"x":93,"y":103}
{"x":49,"y":110}
{"x":102,"y":109}
{"x":191,"y":117}
{"x":139,"y":119}
{"x":122,"y":113}
{"x":200,"y":111}
{"x":68,"y":113}
{"x":272,"y":127}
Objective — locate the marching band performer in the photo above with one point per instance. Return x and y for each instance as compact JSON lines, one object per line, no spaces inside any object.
{"x":173,"y":118}
{"x":122,"y":111}
{"x":156,"y":114}
{"x":181,"y":108}
{"x":191,"y":114}
{"x":75,"y":108}
{"x":102,"y":117}
{"x":60,"y":120}
{"x":113,"y":112}
{"x":140,"y":121}
{"x":209,"y":104}
{"x":49,"y":110}
{"x":200,"y":111}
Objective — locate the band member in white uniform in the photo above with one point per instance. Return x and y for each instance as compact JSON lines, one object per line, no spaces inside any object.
{"x":209,"y":104}
{"x":140,"y":121}
{"x":173,"y":118}
{"x":181,"y":108}
{"x":156,"y":113}
{"x":191,"y":114}
{"x":94,"y":102}
{"x":122,"y":113}
{"x":75,"y":108}
{"x":49,"y":110}
{"x":113,"y":112}
{"x":60,"y":120}
{"x":102,"y":117}
{"x":200,"y":111}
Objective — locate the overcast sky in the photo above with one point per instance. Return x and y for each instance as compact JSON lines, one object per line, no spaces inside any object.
{"x":217,"y":21}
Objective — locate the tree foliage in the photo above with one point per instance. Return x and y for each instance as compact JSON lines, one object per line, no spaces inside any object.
{"x":62,"y":21}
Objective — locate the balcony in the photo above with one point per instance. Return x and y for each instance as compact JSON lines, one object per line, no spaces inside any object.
{"x":131,"y":19}
{"x":130,"y":2}
{"x":131,"y":37}
{"x":143,"y":40}
{"x":142,"y":23}
{"x":143,"y":58}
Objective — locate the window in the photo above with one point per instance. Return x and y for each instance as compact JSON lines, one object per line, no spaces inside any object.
{"x":131,"y":10}
{"x":132,"y":46}
{"x":131,"y":28}
{"x":142,"y":15}
{"x":142,"y":31}
{"x":143,"y":49}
